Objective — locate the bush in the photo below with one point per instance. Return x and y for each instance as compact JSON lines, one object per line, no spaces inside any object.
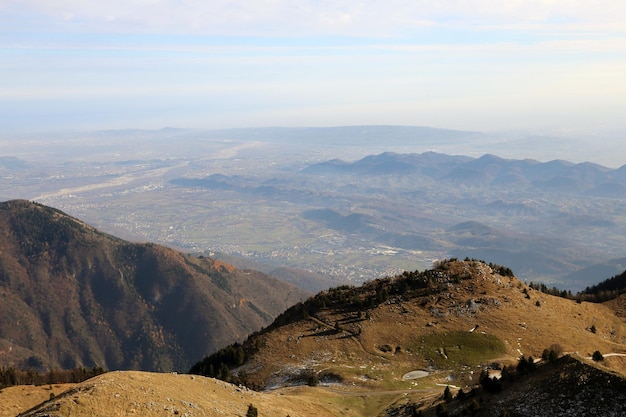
{"x":597,"y":356}
{"x":552,"y":353}
{"x":252,"y":411}
{"x":312,"y":379}
{"x":461,"y":396}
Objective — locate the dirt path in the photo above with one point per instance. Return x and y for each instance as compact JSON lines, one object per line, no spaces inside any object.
{"x":607,"y":355}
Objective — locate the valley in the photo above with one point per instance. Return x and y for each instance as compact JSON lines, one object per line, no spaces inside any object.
{"x":267,"y":195}
{"x":350,"y":208}
{"x":348,"y":219}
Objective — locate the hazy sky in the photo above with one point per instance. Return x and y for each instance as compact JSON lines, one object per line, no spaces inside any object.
{"x":553,"y":65}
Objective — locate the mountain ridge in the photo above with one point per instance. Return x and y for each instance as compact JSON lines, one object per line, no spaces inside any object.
{"x":394,"y":347}
{"x":372,"y":335}
{"x":84,"y":298}
{"x":487,"y":170}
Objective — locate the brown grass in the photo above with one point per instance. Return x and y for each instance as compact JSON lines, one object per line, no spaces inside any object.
{"x":370,"y":352}
{"x":14,"y":400}
{"x":376,"y":352}
{"x":146,"y":394}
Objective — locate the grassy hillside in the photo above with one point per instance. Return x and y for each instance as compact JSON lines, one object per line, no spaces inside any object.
{"x":371,"y":336}
{"x":394,"y":347}
{"x":151,"y":395}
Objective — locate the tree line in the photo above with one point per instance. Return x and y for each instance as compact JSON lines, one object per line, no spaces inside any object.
{"x":10,"y":376}
{"x":608,"y":289}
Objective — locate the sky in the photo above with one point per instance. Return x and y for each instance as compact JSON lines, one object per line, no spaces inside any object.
{"x":534,"y":65}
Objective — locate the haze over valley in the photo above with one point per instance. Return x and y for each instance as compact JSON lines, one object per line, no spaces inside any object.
{"x":305,"y":208}
{"x":346,"y":203}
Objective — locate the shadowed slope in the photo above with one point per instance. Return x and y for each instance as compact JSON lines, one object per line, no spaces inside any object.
{"x":72,"y":296}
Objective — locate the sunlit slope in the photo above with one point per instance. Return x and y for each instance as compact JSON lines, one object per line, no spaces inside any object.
{"x":447,"y":321}
{"x":152,"y":394}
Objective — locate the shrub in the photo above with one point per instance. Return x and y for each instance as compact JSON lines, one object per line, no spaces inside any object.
{"x":525,"y":366}
{"x":597,"y":356}
{"x":252,"y":411}
{"x":552,"y":353}
{"x":312,"y":379}
{"x":461,"y":396}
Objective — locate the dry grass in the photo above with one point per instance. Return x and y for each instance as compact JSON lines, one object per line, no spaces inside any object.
{"x":14,"y":400}
{"x":400,"y":335}
{"x":152,"y":394}
{"x":370,"y":353}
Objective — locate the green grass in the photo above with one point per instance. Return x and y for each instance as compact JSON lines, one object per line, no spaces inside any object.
{"x":454,"y":349}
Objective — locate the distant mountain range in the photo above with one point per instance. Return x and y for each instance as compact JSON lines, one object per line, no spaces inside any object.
{"x":264,"y":194}
{"x":488,"y":170}
{"x":72,"y":296}
{"x":549,"y":221}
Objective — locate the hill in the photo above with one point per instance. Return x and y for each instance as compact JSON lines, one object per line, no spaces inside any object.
{"x":615,"y":284}
{"x":446,"y":322}
{"x":487,"y":170}
{"x":71,"y":296}
{"x":392,"y":347}
{"x":588,"y":389}
{"x":548,"y":221}
{"x":153,"y":394}
{"x":568,"y":386}
{"x":565,"y":387}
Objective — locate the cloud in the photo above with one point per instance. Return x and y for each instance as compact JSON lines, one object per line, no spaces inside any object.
{"x":314,"y":17}
{"x":446,"y":63}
